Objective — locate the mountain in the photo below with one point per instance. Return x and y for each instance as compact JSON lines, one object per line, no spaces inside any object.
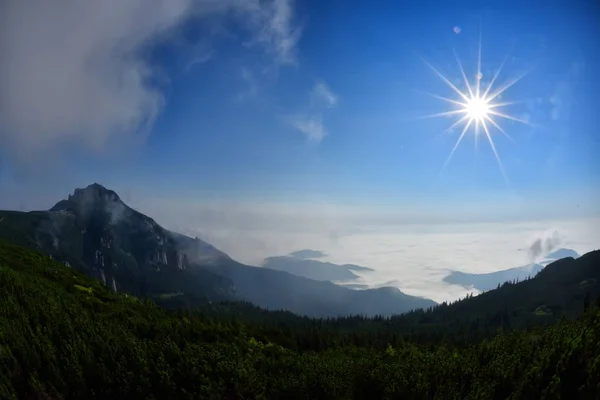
{"x":273,"y":289}
{"x":490,"y":280}
{"x":559,"y":254}
{"x":94,"y":231}
{"x":313,"y":269}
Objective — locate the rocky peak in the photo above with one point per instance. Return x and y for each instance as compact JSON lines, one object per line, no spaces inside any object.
{"x":89,"y":196}
{"x":94,"y":192}
{"x":91,"y":199}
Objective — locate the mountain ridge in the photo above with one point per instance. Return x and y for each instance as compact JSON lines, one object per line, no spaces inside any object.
{"x":314,"y":269}
{"x":95,"y":231}
{"x":490,"y":280}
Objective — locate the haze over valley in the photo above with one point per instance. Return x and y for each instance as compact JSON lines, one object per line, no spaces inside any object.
{"x":414,"y":257}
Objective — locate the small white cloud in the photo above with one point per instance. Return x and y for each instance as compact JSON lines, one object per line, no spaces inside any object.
{"x":273,"y":22}
{"x":322,"y":93}
{"x":311,"y":122}
{"x":311,"y":126}
{"x":560,"y":101}
{"x":201,"y":54}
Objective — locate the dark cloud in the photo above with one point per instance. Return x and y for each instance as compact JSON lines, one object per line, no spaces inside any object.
{"x":544,"y":245}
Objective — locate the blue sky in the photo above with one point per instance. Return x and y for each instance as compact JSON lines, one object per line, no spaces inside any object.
{"x":235,"y":101}
{"x":369,"y":58}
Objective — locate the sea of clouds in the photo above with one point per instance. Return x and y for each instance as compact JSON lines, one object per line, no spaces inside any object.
{"x":415,"y":257}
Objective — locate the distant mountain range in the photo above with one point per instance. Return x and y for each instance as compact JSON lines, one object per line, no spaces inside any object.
{"x":558,"y":255}
{"x":299,"y":263}
{"x":94,"y":231}
{"x":491,"y":280}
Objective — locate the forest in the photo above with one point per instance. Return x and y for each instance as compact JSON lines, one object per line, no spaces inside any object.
{"x":64,"y":335}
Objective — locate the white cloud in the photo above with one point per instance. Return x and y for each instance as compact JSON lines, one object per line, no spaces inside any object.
{"x":75,"y":71}
{"x":322,"y":93}
{"x":310,"y":125}
{"x":405,"y":248}
{"x":202,"y":53}
{"x":417,"y":261}
{"x":273,"y":22}
{"x":201,"y":59}
{"x":310,"y":122}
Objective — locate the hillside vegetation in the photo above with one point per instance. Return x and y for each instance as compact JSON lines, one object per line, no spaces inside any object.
{"x":64,"y":335}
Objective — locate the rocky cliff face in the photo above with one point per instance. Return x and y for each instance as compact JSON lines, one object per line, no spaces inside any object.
{"x":94,"y":230}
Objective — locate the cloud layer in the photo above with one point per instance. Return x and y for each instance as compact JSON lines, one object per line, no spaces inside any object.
{"x":77,"y":73}
{"x":403,"y":252}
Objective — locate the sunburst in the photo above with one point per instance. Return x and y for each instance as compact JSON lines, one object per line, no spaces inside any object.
{"x":477,"y":107}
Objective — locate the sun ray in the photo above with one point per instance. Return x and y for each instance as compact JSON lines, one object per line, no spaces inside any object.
{"x":491,"y":121}
{"x":476,"y":134}
{"x":462,"y":71}
{"x":478,"y":75}
{"x":502,"y":115}
{"x":487,"y":91}
{"x":447,"y":81}
{"x":491,"y":141}
{"x":452,"y":101}
{"x":454,"y":125}
{"x":504,"y":104}
{"x":508,"y":85}
{"x":460,"y":138}
{"x":443,"y":114}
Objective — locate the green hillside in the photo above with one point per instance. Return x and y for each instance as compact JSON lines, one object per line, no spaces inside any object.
{"x":64,"y":335}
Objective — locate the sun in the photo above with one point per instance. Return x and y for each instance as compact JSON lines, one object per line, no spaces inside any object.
{"x":477,"y":106}
{"x":477,"y":109}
